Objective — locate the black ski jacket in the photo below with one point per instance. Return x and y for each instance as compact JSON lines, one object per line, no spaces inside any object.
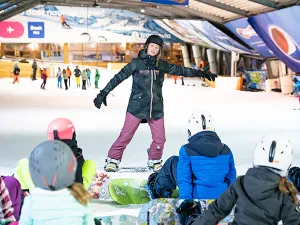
{"x":258,"y":202}
{"x":146,"y":100}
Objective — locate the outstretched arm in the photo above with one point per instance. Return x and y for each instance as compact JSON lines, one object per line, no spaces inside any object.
{"x":188,"y":72}
{"x":124,"y":73}
{"x":182,"y":71}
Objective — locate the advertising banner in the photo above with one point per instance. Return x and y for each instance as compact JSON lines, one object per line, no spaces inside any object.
{"x":218,"y":37}
{"x":280,"y":31}
{"x":45,"y":24}
{"x":256,"y":79}
{"x":243,"y":30}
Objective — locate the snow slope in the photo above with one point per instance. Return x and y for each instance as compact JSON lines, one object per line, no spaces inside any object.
{"x":241,"y":118}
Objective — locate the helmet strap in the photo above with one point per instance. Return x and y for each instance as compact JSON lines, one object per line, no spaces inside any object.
{"x":203,"y":122}
{"x":272,"y":151}
{"x":189,"y":133}
{"x":51,"y":187}
{"x":74,"y":136}
{"x":55,"y":135}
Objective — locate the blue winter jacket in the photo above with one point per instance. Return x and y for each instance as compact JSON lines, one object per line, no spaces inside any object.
{"x":205,"y":168}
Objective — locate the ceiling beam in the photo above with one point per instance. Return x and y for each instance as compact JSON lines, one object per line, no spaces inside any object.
{"x":161,"y":12}
{"x":177,"y":11}
{"x":201,"y":14}
{"x":4,"y":1}
{"x":10,"y":5}
{"x":19,"y":9}
{"x":225,"y":7}
{"x":267,"y":3}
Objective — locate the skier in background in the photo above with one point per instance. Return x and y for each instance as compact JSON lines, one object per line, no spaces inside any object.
{"x":88,"y":73}
{"x":63,"y":22}
{"x":77,"y":73}
{"x":16,"y":73}
{"x":146,"y":100}
{"x":44,"y":77}
{"x":97,"y":77}
{"x":69,"y":72}
{"x":34,"y":69}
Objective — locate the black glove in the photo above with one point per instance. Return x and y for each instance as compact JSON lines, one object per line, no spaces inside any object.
{"x":210,"y":76}
{"x":101,"y":98}
{"x":188,"y":208}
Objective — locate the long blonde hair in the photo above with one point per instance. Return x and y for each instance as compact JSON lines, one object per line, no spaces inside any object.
{"x":81,"y":195}
{"x":287,"y":187}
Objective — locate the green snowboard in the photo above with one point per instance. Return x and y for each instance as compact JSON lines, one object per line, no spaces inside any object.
{"x":127,"y":191}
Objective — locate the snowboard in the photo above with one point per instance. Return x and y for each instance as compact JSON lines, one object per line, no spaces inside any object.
{"x":98,"y":187}
{"x":120,"y":220}
{"x":127,"y":191}
{"x":163,"y":211}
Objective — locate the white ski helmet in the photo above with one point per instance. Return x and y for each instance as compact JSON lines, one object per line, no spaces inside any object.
{"x":200,"y":121}
{"x":275,"y":152}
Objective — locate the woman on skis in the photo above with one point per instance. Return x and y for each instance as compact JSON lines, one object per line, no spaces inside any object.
{"x":146,"y":100}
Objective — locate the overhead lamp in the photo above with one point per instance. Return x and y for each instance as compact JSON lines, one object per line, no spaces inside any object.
{"x":142,"y":10}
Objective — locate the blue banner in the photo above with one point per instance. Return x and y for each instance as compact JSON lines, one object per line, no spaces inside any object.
{"x":256,"y":79}
{"x":36,"y":30}
{"x":168,"y":2}
{"x":242,"y":29}
{"x":218,"y":37}
{"x":280,"y":31}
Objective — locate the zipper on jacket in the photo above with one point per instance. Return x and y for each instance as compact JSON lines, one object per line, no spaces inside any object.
{"x":151,"y":91}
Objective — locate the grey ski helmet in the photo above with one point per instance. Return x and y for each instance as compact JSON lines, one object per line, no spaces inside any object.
{"x":52,"y":165}
{"x":155,"y":39}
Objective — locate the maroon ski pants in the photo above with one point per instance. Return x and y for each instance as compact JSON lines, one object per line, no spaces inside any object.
{"x":130,"y":126}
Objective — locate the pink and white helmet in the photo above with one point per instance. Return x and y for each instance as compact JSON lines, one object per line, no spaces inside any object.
{"x":63,"y":127}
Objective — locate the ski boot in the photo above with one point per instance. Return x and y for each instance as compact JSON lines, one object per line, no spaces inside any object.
{"x":112,"y":165}
{"x":155,"y":165}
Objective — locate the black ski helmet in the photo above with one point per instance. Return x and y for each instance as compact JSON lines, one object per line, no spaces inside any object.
{"x":52,"y":165}
{"x":155,"y":39}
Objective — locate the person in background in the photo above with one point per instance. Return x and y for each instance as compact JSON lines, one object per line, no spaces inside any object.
{"x":97,"y":77}
{"x":89,"y":73}
{"x":59,"y":78}
{"x":84,"y":79}
{"x":16,"y":73}
{"x":69,"y":73}
{"x":44,"y":77}
{"x":77,"y":74}
{"x":65,"y":76}
{"x":63,"y":22}
{"x":34,"y":69}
